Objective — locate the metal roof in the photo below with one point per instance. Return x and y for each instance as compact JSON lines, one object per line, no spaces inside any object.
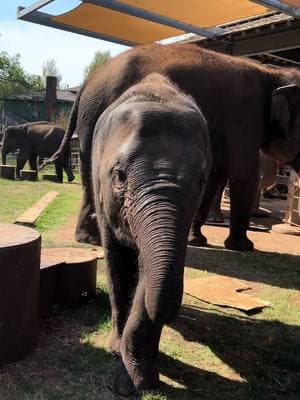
{"x":132,"y":22}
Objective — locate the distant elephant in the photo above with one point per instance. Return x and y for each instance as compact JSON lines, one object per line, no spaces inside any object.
{"x":150,"y":160}
{"x":268,"y":170}
{"x":248,"y":107}
{"x":33,"y":140}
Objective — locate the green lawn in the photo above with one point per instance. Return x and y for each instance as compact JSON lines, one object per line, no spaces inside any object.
{"x":207,"y":353}
{"x":17,"y":196}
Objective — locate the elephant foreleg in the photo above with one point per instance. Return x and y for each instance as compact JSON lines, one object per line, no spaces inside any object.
{"x":33,"y":163}
{"x":21,"y":161}
{"x":59,"y":172}
{"x":139,"y":348}
{"x":122,"y":276}
{"x":67,"y":166}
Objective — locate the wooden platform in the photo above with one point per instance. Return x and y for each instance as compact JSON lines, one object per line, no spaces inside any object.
{"x":29,"y":175}
{"x":7,"y":172}
{"x":20,"y":250}
{"x":68,"y":276}
{"x":29,"y":217}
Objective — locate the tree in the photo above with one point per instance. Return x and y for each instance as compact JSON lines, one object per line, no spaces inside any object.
{"x":13,"y":79}
{"x":50,"y":69}
{"x":100,"y":57}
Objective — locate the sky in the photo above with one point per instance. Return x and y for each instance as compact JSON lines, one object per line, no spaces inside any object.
{"x":36,"y":43}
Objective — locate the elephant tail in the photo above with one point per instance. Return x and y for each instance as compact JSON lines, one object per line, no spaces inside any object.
{"x":67,"y":136}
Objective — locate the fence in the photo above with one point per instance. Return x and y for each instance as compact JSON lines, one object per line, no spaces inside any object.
{"x":292,"y":215}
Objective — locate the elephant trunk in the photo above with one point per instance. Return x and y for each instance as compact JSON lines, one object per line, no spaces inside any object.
{"x":160,"y":226}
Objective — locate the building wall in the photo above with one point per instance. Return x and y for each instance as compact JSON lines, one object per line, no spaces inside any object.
{"x":32,"y":110}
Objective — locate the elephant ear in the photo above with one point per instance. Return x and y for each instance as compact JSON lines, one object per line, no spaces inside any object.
{"x":280,"y":107}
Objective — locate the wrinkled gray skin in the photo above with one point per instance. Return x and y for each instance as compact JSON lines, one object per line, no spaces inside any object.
{"x":33,"y":140}
{"x":150,"y":161}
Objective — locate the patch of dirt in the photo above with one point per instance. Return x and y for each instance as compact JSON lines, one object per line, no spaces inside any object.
{"x":66,"y":232}
{"x":295,"y":299}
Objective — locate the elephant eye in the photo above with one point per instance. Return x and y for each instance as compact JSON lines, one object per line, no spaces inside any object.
{"x":119,"y":177}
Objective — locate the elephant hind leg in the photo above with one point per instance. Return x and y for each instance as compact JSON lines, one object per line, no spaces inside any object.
{"x":216,"y":177}
{"x":69,"y":172}
{"x":87,"y":230}
{"x":215,"y":214}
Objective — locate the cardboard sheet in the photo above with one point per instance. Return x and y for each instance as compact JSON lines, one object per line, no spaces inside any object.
{"x":223,"y":291}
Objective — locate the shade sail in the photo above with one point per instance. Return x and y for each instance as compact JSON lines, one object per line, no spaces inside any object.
{"x":144,"y":21}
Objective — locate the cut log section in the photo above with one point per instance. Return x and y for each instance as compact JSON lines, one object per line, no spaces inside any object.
{"x":48,"y":282}
{"x":29,"y":175}
{"x":51,"y":178}
{"x":20,"y":250}
{"x":7,"y":172}
{"x":29,"y":217}
{"x":76,"y":277}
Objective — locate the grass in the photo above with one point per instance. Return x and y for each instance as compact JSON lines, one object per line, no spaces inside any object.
{"x":16,"y":197}
{"x":207,"y":353}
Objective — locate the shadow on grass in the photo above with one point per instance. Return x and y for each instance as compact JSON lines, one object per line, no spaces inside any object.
{"x":69,"y":365}
{"x":277,"y":269}
{"x":266,"y":354}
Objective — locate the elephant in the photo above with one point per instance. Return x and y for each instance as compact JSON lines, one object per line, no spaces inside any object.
{"x":248,"y":107}
{"x":150,"y":160}
{"x":268,"y":170}
{"x":33,"y":140}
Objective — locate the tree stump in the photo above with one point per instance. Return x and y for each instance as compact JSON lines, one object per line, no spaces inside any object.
{"x":7,"y":172}
{"x":20,"y":250}
{"x":51,"y":178}
{"x":48,"y":282}
{"x":29,"y":175}
{"x":76,"y":278}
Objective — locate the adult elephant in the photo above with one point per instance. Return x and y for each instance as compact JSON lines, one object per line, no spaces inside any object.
{"x":248,"y":107}
{"x":150,"y":161}
{"x":268,"y":171}
{"x":33,"y":140}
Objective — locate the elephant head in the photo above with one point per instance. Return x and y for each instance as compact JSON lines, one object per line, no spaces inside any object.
{"x":284,"y":139}
{"x":150,"y":161}
{"x":12,"y":141}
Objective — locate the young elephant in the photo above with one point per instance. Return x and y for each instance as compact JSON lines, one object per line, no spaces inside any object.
{"x":33,"y":140}
{"x":149,"y":148}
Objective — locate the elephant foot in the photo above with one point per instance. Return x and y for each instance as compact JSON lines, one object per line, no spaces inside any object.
{"x":215,"y":216}
{"x":240,"y":244}
{"x":258,"y":213}
{"x":122,"y":382}
{"x":71,"y":178}
{"x":115,"y":345}
{"x":83,"y":236}
{"x":126,"y":386}
{"x":198,"y":240}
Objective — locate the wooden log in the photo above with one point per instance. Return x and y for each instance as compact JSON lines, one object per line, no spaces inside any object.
{"x":48,"y":282}
{"x":29,"y":217}
{"x":51,"y":178}
{"x":76,"y":278}
{"x":20,"y":250}
{"x":29,"y":175}
{"x":7,"y":172}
